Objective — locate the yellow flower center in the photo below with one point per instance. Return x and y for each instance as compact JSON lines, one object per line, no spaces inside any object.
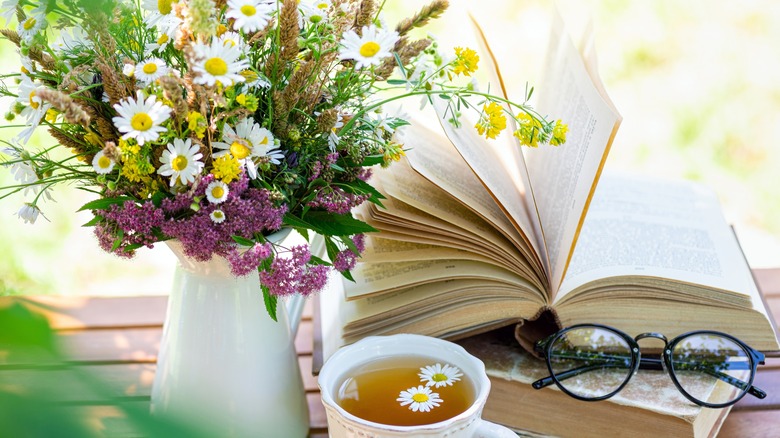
{"x":322,"y":5}
{"x":141,"y":122}
{"x":264,"y":141}
{"x":439,"y":377}
{"x":150,"y":68}
{"x":218,"y":192}
{"x":238,"y":150}
{"x":165,"y":6}
{"x":216,"y":66}
{"x":221,"y":29}
{"x":229,"y":43}
{"x":218,"y":214}
{"x":25,"y":71}
{"x":179,"y":163}
{"x":29,"y":24}
{"x":33,"y":103}
{"x":248,"y":10}
{"x":420,"y":397}
{"x":369,"y":49}
{"x":163,"y":39}
{"x":104,"y":162}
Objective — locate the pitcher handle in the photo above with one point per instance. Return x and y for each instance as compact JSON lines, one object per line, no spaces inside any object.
{"x":486,"y":429}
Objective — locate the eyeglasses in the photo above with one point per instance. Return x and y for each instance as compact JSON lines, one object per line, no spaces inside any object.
{"x":594,"y":362}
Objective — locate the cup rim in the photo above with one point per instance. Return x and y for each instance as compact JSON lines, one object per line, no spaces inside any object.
{"x":481,"y":380}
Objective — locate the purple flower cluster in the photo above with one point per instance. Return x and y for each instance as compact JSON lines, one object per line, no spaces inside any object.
{"x":346,"y":259}
{"x":247,"y":211}
{"x":291,"y":275}
{"x":319,"y":167}
{"x":336,"y":200}
{"x":244,"y":262}
{"x":136,"y":223}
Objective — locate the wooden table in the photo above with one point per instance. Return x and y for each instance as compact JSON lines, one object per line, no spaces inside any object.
{"x":117,"y":340}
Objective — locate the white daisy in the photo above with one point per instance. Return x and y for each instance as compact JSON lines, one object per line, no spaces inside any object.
{"x":333,"y":136}
{"x":438,"y":375}
{"x":25,"y":175}
{"x":217,"y":192}
{"x":250,"y":15}
{"x":29,"y":213}
{"x":316,"y":11}
{"x":32,"y":25}
{"x":218,"y":63}
{"x":181,"y":161}
{"x":419,"y":399}
{"x":168,"y":26}
{"x":217,"y":216}
{"x":158,"y":10}
{"x":151,"y":69}
{"x":9,"y":10}
{"x":70,"y":40}
{"x":34,"y":107}
{"x":102,"y":164}
{"x":231,"y":39}
{"x":370,"y":48}
{"x":140,"y":119}
{"x":128,"y":70}
{"x":248,"y":142}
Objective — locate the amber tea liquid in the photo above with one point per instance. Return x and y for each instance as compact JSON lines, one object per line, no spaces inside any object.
{"x":370,"y":392}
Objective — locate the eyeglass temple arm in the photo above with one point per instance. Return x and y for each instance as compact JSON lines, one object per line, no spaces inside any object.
{"x":752,"y":390}
{"x":645,"y":364}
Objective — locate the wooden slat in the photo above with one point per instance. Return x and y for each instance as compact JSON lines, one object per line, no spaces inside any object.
{"x":317,"y":417}
{"x":73,"y":312}
{"x":768,"y":281}
{"x":740,"y":424}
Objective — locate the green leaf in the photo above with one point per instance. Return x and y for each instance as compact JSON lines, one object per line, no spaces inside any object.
{"x":95,"y":220}
{"x":271,"y":302}
{"x":396,"y":81}
{"x":445,"y":96}
{"x":243,"y":241}
{"x":348,"y":276}
{"x":372,"y":160}
{"x":157,"y":199}
{"x":295,"y":221}
{"x":104,"y":203}
{"x":318,"y":261}
{"x":132,"y":247}
{"x":331,"y":224}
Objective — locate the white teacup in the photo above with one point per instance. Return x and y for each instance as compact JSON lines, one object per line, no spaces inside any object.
{"x":466,"y":424}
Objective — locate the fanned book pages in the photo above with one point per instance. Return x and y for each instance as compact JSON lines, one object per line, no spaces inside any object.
{"x":477,"y":235}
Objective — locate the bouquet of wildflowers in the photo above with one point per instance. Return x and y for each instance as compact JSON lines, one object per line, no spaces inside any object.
{"x":218,"y":122}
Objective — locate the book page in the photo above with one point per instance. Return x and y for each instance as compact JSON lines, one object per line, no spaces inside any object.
{"x":563,"y":178}
{"x":664,"y":229}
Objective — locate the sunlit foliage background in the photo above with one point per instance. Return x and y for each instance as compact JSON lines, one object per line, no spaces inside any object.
{"x":697,"y":83}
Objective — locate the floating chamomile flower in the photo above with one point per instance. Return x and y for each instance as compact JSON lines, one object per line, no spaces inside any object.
{"x":34,"y":107}
{"x":102,"y":164}
{"x":217,"y":192}
{"x":140,"y":119}
{"x":419,"y":399}
{"x":158,"y":10}
{"x":315,"y":12}
{"x":218,"y":63}
{"x":369,"y":48}
{"x":438,"y":375}
{"x":231,"y":39}
{"x":181,"y":161}
{"x":149,"y":70}
{"x":249,"y":15}
{"x":217,"y":216}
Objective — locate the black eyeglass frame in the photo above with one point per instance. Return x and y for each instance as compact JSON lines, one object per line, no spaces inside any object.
{"x":638,"y":362}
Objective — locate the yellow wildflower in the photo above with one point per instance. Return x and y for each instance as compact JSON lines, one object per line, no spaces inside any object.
{"x":51,"y":115}
{"x":226,"y":168}
{"x":559,"y":133}
{"x":393,"y":152}
{"x":492,"y":122}
{"x":135,"y":168}
{"x":249,"y":102}
{"x":196,"y":123}
{"x":465,"y":61}
{"x":128,"y":148}
{"x":529,"y":130}
{"x":93,"y":139}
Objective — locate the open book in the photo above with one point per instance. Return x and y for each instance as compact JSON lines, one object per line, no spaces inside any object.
{"x":477,"y":235}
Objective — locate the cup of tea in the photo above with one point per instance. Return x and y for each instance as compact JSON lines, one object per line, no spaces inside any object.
{"x":406,"y":385}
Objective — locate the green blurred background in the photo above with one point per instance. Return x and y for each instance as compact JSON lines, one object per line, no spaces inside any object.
{"x":696,"y":82}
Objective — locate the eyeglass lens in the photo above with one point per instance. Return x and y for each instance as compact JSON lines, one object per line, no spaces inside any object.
{"x":594,"y":362}
{"x":711,"y":368}
{"x":590,"y":362}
